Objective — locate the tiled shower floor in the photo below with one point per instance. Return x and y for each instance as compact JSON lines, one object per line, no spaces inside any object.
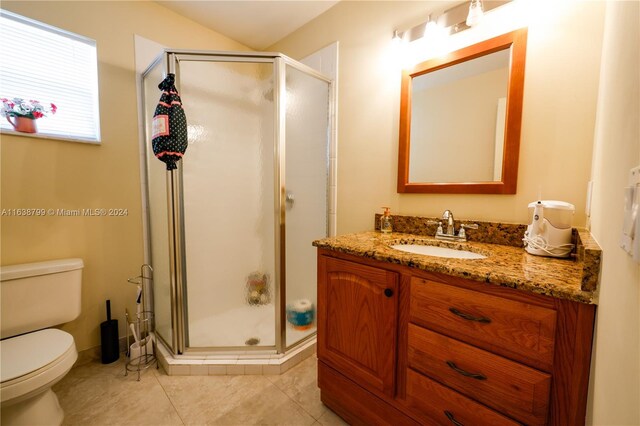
{"x":97,"y":394}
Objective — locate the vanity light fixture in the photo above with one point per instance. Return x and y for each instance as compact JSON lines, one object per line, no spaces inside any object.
{"x":476,"y":13}
{"x":451,"y":21}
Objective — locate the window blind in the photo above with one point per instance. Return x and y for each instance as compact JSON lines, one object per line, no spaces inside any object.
{"x":51,"y":65}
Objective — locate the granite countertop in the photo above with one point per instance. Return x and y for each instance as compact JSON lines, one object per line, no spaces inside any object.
{"x":573,"y":279}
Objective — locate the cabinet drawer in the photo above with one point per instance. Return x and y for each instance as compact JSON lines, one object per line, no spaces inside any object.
{"x":511,"y":388}
{"x":354,"y":404}
{"x":511,"y":328}
{"x":435,"y":404}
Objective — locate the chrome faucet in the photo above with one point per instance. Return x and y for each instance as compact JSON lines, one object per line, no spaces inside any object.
{"x":448,"y":216}
{"x":450,"y":233}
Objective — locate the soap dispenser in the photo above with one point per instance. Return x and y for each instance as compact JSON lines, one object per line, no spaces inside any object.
{"x":385,"y":221}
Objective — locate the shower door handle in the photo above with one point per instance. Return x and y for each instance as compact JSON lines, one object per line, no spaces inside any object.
{"x":290,"y":199}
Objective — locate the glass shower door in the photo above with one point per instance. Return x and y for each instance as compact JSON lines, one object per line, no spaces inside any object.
{"x":307,"y":123}
{"x":229,"y":208}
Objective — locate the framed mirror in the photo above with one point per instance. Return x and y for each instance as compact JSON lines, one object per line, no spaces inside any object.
{"x":460,"y":118}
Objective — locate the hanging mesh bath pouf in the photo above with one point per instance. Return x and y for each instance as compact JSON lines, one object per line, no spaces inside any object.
{"x":169,"y":129}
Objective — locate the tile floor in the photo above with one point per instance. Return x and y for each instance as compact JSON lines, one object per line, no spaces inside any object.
{"x":97,"y":394}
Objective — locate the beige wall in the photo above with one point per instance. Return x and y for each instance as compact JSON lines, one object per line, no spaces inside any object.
{"x":615,"y":378}
{"x":54,"y":174}
{"x":561,"y":80}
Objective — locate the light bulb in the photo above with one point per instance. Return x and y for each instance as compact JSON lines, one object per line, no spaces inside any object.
{"x":475,"y":13}
{"x":399,"y":50}
{"x":430,"y":28}
{"x":433,"y":31}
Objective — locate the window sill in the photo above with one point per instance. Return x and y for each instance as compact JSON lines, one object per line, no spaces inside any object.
{"x":51,"y":137}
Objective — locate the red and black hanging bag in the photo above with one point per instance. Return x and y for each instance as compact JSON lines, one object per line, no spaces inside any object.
{"x":169,"y":129}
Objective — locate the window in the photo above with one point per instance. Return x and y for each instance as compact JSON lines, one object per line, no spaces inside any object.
{"x":50,"y":65}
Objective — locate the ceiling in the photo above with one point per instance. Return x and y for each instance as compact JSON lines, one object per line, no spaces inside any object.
{"x":257,"y":24}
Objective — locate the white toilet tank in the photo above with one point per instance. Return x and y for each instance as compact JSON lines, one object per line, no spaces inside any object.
{"x":39,"y":295}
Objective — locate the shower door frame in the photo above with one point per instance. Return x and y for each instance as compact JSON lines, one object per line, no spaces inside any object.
{"x":175,"y":195}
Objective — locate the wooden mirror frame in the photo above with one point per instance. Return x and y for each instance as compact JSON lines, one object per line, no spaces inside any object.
{"x":517,"y":40}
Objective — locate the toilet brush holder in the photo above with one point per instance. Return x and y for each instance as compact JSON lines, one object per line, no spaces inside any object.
{"x":109,"y":338}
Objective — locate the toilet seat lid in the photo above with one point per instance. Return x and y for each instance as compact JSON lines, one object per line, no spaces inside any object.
{"x":29,"y":352}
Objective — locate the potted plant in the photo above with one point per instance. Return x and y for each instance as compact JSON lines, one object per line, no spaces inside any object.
{"x":25,"y":113}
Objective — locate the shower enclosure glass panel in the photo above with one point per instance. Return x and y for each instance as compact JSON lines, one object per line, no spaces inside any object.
{"x":306,"y":181}
{"x":158,"y":222}
{"x":228,"y":196}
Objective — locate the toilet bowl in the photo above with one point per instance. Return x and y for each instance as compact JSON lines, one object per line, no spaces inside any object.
{"x":34,"y":296}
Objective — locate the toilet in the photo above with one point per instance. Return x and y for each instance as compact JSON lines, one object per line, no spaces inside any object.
{"x":33,"y":357}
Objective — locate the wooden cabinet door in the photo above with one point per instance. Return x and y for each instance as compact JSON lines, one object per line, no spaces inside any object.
{"x":357,"y":317}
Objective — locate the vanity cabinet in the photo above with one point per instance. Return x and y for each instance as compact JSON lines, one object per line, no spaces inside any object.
{"x":443,"y":350}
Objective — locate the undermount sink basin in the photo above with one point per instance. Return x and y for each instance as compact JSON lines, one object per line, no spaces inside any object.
{"x":437,"y":251}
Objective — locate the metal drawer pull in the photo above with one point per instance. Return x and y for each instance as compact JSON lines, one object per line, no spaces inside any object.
{"x":458,"y":370}
{"x":468,"y":317}
{"x":452,"y":419}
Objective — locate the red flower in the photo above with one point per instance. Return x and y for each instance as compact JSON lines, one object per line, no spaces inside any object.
{"x":18,"y":107}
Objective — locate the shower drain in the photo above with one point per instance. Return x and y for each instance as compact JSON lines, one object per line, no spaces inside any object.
{"x":252,"y":341}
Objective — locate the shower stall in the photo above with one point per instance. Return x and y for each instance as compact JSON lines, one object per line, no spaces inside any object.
{"x":230,"y":231}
